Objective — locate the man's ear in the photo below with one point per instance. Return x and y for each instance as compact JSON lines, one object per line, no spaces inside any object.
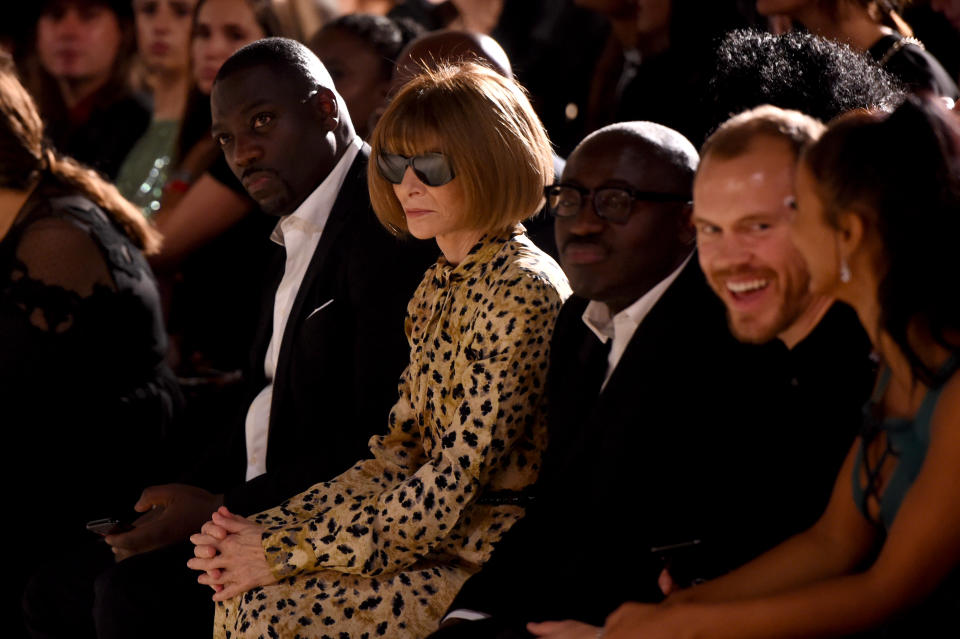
{"x":325,"y":104}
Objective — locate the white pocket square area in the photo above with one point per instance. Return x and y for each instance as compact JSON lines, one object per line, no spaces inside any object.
{"x":320,"y":308}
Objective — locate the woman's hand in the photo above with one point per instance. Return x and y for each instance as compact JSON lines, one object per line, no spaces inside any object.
{"x":629,"y":620}
{"x":564,"y":630}
{"x":649,"y":621}
{"x":229,"y":551}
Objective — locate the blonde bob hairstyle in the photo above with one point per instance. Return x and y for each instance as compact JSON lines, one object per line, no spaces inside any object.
{"x":486,"y":127}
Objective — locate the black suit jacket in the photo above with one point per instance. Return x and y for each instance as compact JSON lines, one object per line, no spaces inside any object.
{"x":692,"y":438}
{"x":338,"y":366}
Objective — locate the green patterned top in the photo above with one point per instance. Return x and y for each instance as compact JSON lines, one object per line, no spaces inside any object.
{"x":146,"y":167}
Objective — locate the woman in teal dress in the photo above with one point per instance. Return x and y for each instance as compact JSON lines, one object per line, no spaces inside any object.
{"x":877,"y":221}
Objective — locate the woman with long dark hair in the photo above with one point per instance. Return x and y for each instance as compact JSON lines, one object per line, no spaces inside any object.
{"x":87,"y":398}
{"x":216,"y":246}
{"x":80,"y":77}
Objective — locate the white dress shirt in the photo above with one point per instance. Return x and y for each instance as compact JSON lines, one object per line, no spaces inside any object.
{"x":621,"y":327}
{"x":299,"y":233}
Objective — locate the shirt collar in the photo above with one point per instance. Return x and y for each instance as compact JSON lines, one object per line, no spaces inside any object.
{"x":312,"y":213}
{"x":597,"y":315}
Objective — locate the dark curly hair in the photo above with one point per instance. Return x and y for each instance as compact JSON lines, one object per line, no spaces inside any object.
{"x":796,"y":71}
{"x":901,"y":172}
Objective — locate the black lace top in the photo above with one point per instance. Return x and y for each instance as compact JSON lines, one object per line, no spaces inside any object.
{"x":86,"y":393}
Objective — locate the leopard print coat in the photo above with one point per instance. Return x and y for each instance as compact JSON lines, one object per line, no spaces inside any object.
{"x":381,"y":550}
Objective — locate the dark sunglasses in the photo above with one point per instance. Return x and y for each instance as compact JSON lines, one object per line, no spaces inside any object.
{"x":433,"y":169}
{"x":611,"y":203}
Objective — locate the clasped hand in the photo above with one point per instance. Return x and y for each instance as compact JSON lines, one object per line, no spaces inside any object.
{"x":228,"y":550}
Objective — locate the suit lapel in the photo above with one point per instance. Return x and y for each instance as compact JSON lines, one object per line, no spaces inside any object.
{"x":657,"y":331}
{"x":352,"y":194}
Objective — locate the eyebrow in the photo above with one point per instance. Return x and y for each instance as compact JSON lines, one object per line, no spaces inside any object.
{"x":256,"y":104}
{"x":245,"y":109}
{"x":746,"y":219}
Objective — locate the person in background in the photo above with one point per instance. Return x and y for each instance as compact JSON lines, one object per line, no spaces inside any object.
{"x":87,"y":397}
{"x":432,"y":49}
{"x":875,"y":27}
{"x":950,"y":9}
{"x":81,"y":81}
{"x":214,"y":261}
{"x":163,"y":44}
{"x":939,"y":24}
{"x":463,"y":440}
{"x":800,"y":71}
{"x":220,"y":27}
{"x":654,"y":62}
{"x":360,"y":50}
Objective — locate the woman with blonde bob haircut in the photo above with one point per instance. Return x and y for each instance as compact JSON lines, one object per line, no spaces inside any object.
{"x":382,"y":549}
{"x":500,"y":153}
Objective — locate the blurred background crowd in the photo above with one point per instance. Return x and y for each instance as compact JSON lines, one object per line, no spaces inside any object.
{"x":124,"y":87}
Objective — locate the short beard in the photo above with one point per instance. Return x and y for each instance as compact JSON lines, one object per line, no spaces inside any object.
{"x":785,"y":318}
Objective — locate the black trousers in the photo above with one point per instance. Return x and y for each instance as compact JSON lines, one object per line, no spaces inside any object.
{"x":89,"y":595}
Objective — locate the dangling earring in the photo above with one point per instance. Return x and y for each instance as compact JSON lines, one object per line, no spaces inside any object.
{"x":845,"y":273}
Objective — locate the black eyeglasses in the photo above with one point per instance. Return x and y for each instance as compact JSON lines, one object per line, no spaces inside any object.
{"x":433,"y":169}
{"x":610,"y":202}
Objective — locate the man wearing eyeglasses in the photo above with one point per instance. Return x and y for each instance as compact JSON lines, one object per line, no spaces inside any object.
{"x":649,"y":425}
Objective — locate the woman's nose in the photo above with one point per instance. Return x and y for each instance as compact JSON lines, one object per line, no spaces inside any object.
{"x":410,"y":182}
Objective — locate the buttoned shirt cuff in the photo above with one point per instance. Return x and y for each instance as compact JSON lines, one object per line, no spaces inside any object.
{"x":466,"y":615}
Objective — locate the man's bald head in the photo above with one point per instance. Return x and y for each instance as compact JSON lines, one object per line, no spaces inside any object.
{"x":673,"y":155}
{"x":272,"y":105}
{"x":442,"y":47}
{"x":634,"y":181}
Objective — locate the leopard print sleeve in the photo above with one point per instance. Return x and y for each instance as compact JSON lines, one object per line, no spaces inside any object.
{"x":470,"y":419}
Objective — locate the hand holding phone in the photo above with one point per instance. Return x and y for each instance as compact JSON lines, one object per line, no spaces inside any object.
{"x":108,"y":526}
{"x":681,"y":563}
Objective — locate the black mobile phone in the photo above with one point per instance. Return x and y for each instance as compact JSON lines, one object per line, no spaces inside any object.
{"x":683,"y":561}
{"x":108,"y":526}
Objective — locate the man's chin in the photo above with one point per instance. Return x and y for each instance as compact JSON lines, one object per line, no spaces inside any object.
{"x":274,"y":204}
{"x":751,"y":330}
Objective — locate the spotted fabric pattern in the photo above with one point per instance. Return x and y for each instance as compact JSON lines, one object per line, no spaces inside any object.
{"x":381,"y":550}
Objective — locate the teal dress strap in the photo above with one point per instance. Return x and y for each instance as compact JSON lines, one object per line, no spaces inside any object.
{"x":907,"y":440}
{"x":870,"y":427}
